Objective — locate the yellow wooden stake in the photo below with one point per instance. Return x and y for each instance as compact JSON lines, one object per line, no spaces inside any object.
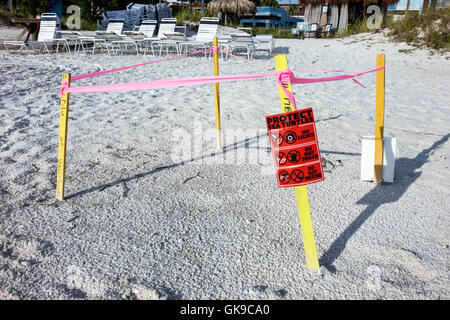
{"x":62,"y":141}
{"x":301,"y":192}
{"x":216,"y":92}
{"x":379,"y":122}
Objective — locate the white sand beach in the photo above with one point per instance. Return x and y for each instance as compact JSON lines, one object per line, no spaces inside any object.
{"x":138,"y":222}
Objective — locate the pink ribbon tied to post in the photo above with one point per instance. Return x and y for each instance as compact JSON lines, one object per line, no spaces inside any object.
{"x":285,"y":77}
{"x":215,"y":50}
{"x":65,"y":85}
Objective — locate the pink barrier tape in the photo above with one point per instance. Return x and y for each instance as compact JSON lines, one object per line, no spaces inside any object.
{"x":95,"y":74}
{"x":284,"y":76}
{"x":270,"y":64}
{"x":359,"y":83}
{"x":158,"y":84}
{"x":215,"y":50}
{"x":65,"y":85}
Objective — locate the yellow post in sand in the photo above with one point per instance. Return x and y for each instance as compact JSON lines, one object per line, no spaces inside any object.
{"x":62,"y":140}
{"x":301,"y":192}
{"x":379,"y":122}
{"x":216,"y":93}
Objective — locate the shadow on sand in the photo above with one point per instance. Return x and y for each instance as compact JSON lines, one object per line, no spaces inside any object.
{"x":240,"y":144}
{"x":381,"y":194}
{"x":246,"y":143}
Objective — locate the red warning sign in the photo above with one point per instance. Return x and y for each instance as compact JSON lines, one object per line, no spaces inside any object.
{"x":297,"y":155}
{"x":297,"y":135}
{"x":295,"y":148}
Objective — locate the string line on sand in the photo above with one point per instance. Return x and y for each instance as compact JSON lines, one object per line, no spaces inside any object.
{"x":213,"y":49}
{"x":99,"y":73}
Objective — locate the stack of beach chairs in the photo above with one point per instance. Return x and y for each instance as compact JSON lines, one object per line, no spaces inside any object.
{"x":134,"y":14}
{"x":164,"y":11}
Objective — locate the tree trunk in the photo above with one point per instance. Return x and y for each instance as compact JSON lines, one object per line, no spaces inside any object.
{"x":426,"y":3}
{"x":316,"y":14}
{"x":307,"y":12}
{"x":384,"y":10}
{"x":313,"y":13}
{"x":334,"y":15}
{"x":343,"y":19}
{"x":12,"y":4}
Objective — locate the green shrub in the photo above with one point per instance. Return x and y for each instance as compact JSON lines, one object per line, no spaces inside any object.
{"x":187,"y":14}
{"x":359,"y":26}
{"x":429,"y":29}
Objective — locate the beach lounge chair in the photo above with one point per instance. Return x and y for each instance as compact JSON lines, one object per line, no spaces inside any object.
{"x":146,"y":30}
{"x":106,"y":39}
{"x":173,"y":39}
{"x":312,"y":30}
{"x":71,"y":38}
{"x":207,"y":30}
{"x":166,"y":25}
{"x":241,"y":41}
{"x":300,"y":29}
{"x":327,"y":30}
{"x":100,"y":41}
{"x":264,"y":42}
{"x":113,"y":38}
{"x":47,"y":37}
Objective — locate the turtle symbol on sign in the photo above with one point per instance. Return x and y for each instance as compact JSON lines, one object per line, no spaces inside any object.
{"x":281,"y":158}
{"x":290,"y":137}
{"x":285,"y":177}
{"x":297,"y":175}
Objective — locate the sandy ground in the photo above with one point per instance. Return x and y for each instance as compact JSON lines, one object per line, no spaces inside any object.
{"x":140,"y":223}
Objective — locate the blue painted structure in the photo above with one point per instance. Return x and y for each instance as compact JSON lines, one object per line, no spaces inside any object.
{"x":55,"y":6}
{"x":270,"y":18}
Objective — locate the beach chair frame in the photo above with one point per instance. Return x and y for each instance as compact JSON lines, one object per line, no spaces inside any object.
{"x":241,"y":41}
{"x":264,"y":42}
{"x":47,"y":36}
{"x":312,"y":30}
{"x":207,"y":30}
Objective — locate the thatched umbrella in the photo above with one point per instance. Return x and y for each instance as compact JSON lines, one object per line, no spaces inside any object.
{"x":234,"y":8}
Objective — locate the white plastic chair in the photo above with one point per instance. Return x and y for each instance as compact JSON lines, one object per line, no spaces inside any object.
{"x":166,"y":26}
{"x":264,"y":42}
{"x":207,"y":30}
{"x":241,"y":41}
{"x":104,"y":39}
{"x":173,"y":39}
{"x":146,"y":30}
{"x":47,"y":36}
